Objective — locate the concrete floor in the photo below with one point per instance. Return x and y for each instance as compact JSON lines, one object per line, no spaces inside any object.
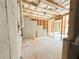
{"x":42,"y":48}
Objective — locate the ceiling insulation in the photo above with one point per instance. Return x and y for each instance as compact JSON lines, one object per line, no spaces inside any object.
{"x":56,"y":4}
{"x":46,"y":8}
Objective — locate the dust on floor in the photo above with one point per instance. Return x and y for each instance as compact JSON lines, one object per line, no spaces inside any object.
{"x":42,"y":48}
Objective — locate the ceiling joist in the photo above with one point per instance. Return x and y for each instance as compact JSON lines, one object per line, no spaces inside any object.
{"x":44,"y":8}
{"x":36,"y":12}
{"x":54,"y":3}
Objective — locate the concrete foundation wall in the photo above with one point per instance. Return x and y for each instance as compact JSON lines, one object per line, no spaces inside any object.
{"x":4,"y":38}
{"x":10,"y":41}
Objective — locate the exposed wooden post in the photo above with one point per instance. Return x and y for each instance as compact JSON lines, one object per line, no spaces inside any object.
{"x":64,"y":24}
{"x":53,"y":27}
{"x":70,"y":50}
{"x":74,"y":11}
{"x":61,"y":28}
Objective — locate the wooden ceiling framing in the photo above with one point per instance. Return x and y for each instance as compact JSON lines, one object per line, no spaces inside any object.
{"x":56,"y":4}
{"x":56,"y":8}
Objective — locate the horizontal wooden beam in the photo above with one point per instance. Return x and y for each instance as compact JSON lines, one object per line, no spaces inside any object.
{"x":31,"y":15}
{"x":54,"y":3}
{"x":41,"y":7}
{"x":25,"y":10}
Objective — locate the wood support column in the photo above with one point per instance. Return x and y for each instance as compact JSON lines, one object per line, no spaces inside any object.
{"x":70,"y":50}
{"x":73,"y":20}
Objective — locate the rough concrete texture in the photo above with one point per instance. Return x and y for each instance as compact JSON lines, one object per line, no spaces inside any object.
{"x":15,"y":42}
{"x":4,"y":39}
{"x":42,"y":48}
{"x":10,"y":41}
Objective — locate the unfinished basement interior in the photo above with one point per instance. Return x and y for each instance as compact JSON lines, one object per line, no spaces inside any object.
{"x":39,"y":29}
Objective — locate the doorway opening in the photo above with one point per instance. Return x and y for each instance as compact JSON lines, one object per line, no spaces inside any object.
{"x":59,"y":28}
{"x":45,"y":25}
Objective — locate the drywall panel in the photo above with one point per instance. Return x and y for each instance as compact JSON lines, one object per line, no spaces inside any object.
{"x":30,"y":28}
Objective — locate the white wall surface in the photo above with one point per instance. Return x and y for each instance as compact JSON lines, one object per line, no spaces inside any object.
{"x":30,"y":28}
